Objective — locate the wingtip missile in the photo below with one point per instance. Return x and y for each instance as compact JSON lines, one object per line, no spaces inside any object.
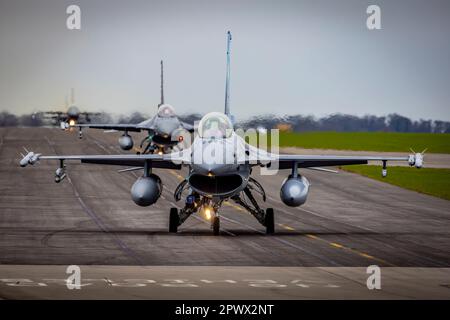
{"x":29,"y":158}
{"x":25,"y":160}
{"x":416,"y":160}
{"x":418,"y":163}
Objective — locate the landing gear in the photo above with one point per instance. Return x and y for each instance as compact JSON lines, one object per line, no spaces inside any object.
{"x":216,"y":225}
{"x":149,"y":148}
{"x":174,"y":220}
{"x":178,"y":217}
{"x":266,"y":218}
{"x":269,"y":221}
{"x":209,"y":207}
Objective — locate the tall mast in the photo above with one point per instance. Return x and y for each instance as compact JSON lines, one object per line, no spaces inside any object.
{"x":227,"y":83}
{"x":162,"y":84}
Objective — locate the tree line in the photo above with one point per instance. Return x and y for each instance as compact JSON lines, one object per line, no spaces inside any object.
{"x":349,"y":123}
{"x":298,"y":123}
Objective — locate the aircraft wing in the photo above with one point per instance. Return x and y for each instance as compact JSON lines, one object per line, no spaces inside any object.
{"x":286,"y":161}
{"x":53,"y":113}
{"x":306,"y":161}
{"x":86,"y":113}
{"x":119,"y":127}
{"x":187,"y":126}
{"x":147,"y":125}
{"x":168,"y":161}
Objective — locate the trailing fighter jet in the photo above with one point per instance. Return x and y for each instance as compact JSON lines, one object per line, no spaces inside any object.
{"x":164,"y":130}
{"x":219,"y":164}
{"x":69,"y":117}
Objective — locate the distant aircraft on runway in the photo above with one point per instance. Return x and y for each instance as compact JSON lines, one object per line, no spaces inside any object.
{"x":164,"y":130}
{"x":219,"y":164}
{"x":68,"y":118}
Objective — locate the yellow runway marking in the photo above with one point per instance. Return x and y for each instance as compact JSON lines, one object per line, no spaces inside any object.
{"x":340,"y":246}
{"x":366,"y":255}
{"x":337,"y":245}
{"x":333,"y":244}
{"x":235,"y":206}
{"x":180,"y":177}
{"x":286,"y":227}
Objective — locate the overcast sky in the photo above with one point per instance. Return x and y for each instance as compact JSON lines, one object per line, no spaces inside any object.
{"x":288,"y":57}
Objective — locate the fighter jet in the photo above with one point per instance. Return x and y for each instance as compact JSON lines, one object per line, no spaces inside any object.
{"x":219,"y":167}
{"x":164,"y":130}
{"x":69,"y":117}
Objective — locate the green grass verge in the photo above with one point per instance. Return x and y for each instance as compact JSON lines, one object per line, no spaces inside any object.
{"x":368,"y":141}
{"x":435,"y":182}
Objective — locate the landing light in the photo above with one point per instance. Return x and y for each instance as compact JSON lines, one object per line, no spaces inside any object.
{"x":160,"y":153}
{"x":208,"y":213}
{"x":72,"y":122}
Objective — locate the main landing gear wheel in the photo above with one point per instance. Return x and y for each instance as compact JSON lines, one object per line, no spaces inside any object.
{"x":269,"y":221}
{"x":216,"y":225}
{"x":174,"y":220}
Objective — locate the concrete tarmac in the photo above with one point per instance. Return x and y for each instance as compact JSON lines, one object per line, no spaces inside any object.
{"x":348,"y":223}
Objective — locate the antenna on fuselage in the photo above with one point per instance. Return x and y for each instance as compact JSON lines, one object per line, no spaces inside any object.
{"x":162,"y":84}
{"x":227,"y":83}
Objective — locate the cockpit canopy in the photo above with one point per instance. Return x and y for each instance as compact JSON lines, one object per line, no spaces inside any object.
{"x":215,"y":125}
{"x":166,"y":111}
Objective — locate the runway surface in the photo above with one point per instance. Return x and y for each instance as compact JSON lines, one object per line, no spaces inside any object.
{"x":348,"y":223}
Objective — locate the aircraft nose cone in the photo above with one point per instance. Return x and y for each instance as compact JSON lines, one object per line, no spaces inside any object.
{"x":213,"y":169}
{"x":73,"y":111}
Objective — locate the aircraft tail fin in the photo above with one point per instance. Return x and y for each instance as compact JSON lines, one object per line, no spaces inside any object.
{"x":72,"y":96}
{"x":162,"y":85}
{"x":227,"y":81}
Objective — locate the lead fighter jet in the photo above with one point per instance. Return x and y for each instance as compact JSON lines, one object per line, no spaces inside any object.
{"x":164,"y":130}
{"x":219,"y":164}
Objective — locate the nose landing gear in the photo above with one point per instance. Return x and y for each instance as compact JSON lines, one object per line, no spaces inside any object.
{"x":174,"y":220}
{"x":215,"y":224}
{"x":269,"y":221}
{"x":209,"y":209}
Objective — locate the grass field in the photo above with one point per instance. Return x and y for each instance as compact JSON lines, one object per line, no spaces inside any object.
{"x":368,"y":141}
{"x":435,"y":182}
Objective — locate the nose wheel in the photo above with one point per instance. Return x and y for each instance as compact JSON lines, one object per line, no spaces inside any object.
{"x":269,"y":221}
{"x":216,"y":225}
{"x":174,"y":220}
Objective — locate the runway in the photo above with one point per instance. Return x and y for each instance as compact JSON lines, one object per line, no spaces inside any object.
{"x":348,"y":223}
